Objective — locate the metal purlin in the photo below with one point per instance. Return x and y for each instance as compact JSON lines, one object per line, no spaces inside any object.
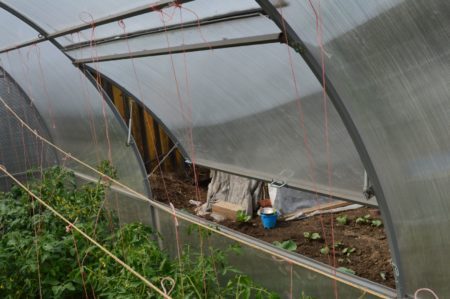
{"x":299,"y":46}
{"x":167,"y":28}
{"x":44,"y":36}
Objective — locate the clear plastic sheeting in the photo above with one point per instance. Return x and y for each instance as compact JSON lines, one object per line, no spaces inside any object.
{"x":289,"y":280}
{"x":20,"y":151}
{"x":13,"y":32}
{"x":127,"y":207}
{"x":79,"y":120}
{"x":190,"y":12}
{"x":390,"y":64}
{"x":225,"y":33}
{"x":57,"y":15}
{"x":242,"y":107}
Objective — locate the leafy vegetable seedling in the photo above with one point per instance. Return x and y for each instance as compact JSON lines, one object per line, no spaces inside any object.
{"x":325,"y":250}
{"x":376,"y":223}
{"x":287,"y":245}
{"x":338,"y":244}
{"x":363,"y":220}
{"x":343,"y":220}
{"x":348,"y":251}
{"x":242,"y":217}
{"x":312,"y":236}
{"x":346,"y":270}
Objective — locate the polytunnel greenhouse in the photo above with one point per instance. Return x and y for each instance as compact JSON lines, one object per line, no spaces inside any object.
{"x":345,"y":102}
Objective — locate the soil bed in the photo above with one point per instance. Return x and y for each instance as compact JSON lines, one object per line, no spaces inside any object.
{"x":370,"y":259}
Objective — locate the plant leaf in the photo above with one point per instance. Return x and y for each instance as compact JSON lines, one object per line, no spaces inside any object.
{"x":346,"y":270}
{"x":315,"y":236}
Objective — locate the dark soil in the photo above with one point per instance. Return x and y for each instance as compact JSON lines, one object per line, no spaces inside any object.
{"x":370,"y":258}
{"x":177,"y":189}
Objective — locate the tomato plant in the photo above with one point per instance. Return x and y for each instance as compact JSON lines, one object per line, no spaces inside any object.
{"x":39,"y":253}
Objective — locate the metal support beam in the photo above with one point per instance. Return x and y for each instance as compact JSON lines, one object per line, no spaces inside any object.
{"x":164,"y":29}
{"x":97,"y":22}
{"x":297,"y":43}
{"x":220,"y":44}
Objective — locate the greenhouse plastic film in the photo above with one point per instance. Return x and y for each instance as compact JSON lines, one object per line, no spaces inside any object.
{"x":389,"y":61}
{"x":20,"y":151}
{"x":256,"y":128}
{"x":79,"y":120}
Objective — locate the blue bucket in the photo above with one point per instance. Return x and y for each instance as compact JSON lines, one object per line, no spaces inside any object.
{"x":269,"y":220}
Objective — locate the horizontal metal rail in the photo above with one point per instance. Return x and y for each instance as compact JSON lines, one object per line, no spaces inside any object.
{"x":96,"y":22}
{"x":168,"y":28}
{"x":225,"y":43}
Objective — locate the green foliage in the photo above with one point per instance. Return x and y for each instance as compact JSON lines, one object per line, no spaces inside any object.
{"x":347,"y":251}
{"x":287,"y":245}
{"x":376,"y":223}
{"x":107,"y":168}
{"x":367,"y":220}
{"x":312,"y":236}
{"x":346,"y":270}
{"x":338,"y":244}
{"x":242,"y":217}
{"x":325,"y":250}
{"x":305,"y":296}
{"x":33,"y":241}
{"x":343,"y":220}
{"x":363,"y":220}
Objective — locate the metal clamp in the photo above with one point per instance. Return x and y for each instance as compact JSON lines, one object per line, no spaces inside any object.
{"x":277,"y":184}
{"x":368,"y":190}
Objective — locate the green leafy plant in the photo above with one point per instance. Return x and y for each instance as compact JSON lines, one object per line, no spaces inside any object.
{"x":347,"y":251}
{"x":346,"y":270}
{"x":338,"y":244}
{"x":325,"y":250}
{"x":306,"y":296}
{"x":367,"y":220}
{"x":343,"y":220}
{"x":363,"y":220}
{"x":287,"y":245}
{"x":376,"y":223}
{"x":242,"y":217}
{"x":37,"y":249}
{"x":312,"y":236}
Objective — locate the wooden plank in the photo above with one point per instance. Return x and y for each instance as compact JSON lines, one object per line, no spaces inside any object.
{"x":226,"y":209}
{"x":118,"y":101}
{"x":327,"y":206}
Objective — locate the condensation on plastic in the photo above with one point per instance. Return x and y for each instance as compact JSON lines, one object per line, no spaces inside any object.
{"x":13,"y":31}
{"x":241,"y":29}
{"x":78,"y":119}
{"x":242,"y":106}
{"x":195,"y":11}
{"x":390,"y":63}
